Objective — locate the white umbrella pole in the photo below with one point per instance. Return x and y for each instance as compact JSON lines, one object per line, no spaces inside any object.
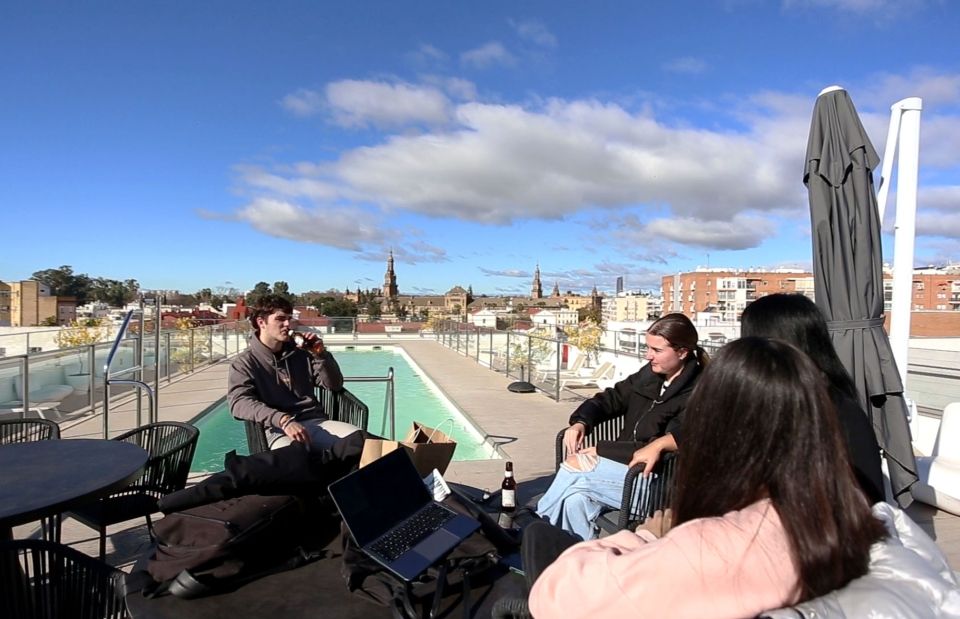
{"x":906,"y":114}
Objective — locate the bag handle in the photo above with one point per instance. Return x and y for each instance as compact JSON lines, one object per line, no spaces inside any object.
{"x":453,"y":424}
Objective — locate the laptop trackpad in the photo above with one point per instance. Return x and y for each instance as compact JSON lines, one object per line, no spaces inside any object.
{"x":436,"y":544}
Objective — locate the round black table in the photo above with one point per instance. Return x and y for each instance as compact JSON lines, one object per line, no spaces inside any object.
{"x":42,"y":478}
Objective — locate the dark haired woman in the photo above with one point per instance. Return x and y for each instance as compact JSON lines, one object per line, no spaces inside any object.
{"x":652,"y":401}
{"x":766,"y":510}
{"x":796,"y":319}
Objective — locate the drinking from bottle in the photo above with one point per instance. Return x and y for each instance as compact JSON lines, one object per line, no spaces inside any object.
{"x":315,"y":346}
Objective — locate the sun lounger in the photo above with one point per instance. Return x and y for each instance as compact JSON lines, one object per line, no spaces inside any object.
{"x":548,"y":372}
{"x":604,"y":371}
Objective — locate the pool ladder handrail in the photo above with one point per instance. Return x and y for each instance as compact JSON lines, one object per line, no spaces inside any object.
{"x":389,"y":402}
{"x":114,"y":378}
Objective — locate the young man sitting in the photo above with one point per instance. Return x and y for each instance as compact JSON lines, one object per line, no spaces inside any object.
{"x":273,"y":381}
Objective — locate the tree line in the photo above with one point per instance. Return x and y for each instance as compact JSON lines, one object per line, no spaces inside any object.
{"x":63,"y":282}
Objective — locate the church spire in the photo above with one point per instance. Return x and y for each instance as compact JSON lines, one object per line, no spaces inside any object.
{"x":536,"y":290}
{"x":390,"y":291}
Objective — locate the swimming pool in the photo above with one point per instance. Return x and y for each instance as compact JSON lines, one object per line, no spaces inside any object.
{"x":417,"y":399}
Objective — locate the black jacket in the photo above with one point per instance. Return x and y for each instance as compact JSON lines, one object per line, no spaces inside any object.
{"x":648,"y":414}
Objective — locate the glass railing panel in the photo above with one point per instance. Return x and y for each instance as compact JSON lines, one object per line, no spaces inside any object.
{"x":11,"y":379}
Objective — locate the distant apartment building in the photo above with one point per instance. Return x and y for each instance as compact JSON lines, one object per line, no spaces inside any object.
{"x":29,"y":303}
{"x":725,"y":293}
{"x":556,"y":317}
{"x":626,"y":307}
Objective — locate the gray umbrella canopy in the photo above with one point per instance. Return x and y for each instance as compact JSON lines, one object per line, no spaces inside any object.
{"x":847,"y":273}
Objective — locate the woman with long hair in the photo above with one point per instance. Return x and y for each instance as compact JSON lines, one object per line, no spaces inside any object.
{"x":766,"y":510}
{"x":652,"y":401}
{"x":796,"y":319}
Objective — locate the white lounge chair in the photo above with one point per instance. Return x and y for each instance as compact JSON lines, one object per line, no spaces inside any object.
{"x":548,"y":373}
{"x":604,"y":371}
{"x":46,"y":392}
{"x":939,"y":473}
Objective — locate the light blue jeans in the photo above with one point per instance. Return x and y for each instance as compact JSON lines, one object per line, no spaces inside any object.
{"x":323,"y":434}
{"x":576,"y":498}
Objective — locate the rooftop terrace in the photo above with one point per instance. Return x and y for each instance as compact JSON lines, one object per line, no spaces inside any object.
{"x":522,"y":425}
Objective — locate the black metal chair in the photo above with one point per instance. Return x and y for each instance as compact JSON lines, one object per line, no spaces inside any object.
{"x":171,"y":446}
{"x":641,"y":498}
{"x":46,"y":580}
{"x":25,"y":431}
{"x":337,"y":405}
{"x":511,"y":608}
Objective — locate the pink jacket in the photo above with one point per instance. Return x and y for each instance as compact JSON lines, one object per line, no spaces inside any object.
{"x":737,"y":565}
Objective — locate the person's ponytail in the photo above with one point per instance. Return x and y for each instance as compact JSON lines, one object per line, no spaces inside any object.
{"x":703,"y":357}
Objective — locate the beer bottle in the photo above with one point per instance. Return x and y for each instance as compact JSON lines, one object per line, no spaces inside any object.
{"x":315,"y":346}
{"x":508,"y":497}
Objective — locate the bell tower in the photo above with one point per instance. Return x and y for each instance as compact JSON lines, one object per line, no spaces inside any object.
{"x":390,"y":291}
{"x":536,"y":290}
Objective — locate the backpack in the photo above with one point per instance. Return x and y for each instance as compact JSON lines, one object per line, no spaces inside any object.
{"x":473,"y":558}
{"x":220,"y":546}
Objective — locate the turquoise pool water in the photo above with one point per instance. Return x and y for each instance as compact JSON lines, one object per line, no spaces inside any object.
{"x":417,"y":399}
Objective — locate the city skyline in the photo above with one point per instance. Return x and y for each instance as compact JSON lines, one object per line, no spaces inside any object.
{"x":192,"y":147}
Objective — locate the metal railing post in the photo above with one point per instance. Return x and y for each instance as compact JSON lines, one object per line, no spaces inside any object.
{"x":166,"y":357}
{"x":191,"y":350}
{"x":508,"y":354}
{"x":527,"y":362}
{"x":91,"y":363}
{"x":557,"y":377}
{"x":392,"y":409}
{"x":156,"y":359}
{"x":25,"y":382}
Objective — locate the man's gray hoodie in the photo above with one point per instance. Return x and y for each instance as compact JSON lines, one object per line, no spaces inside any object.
{"x":263,"y":386}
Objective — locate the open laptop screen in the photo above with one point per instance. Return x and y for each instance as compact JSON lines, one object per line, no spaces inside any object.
{"x":379,"y":496}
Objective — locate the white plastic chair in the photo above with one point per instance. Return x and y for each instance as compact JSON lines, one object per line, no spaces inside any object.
{"x":939,"y":472}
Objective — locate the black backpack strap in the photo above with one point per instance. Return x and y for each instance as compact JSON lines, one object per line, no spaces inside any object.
{"x":189,"y":585}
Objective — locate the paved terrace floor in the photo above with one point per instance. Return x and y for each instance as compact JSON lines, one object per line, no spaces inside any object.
{"x":523,"y":425}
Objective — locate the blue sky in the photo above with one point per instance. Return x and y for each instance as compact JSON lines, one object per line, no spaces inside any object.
{"x":218,"y":144}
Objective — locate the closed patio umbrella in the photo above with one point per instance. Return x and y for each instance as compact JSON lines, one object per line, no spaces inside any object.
{"x":847,"y":273}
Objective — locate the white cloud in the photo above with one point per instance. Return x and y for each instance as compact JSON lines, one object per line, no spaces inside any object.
{"x":854,"y":6}
{"x":428,"y":55}
{"x":334,"y":227}
{"x":303,"y":102}
{"x":412,"y":253}
{"x":935,"y":88}
{"x":938,"y":211}
{"x":509,"y":163}
{"x":356,"y":103}
{"x":298,"y":187}
{"x":460,"y":88}
{"x":695,"y":186}
{"x":516,"y":273}
{"x":687,"y":64}
{"x":487,"y":55}
{"x":534,"y":31}
{"x":741,"y":232}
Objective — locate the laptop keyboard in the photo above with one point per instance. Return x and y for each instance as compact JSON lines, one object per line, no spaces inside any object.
{"x":429,"y":519}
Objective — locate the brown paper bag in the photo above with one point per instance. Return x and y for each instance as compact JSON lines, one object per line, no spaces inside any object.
{"x":429,"y":448}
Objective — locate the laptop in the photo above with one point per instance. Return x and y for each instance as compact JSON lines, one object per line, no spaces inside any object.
{"x":393,"y":517}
